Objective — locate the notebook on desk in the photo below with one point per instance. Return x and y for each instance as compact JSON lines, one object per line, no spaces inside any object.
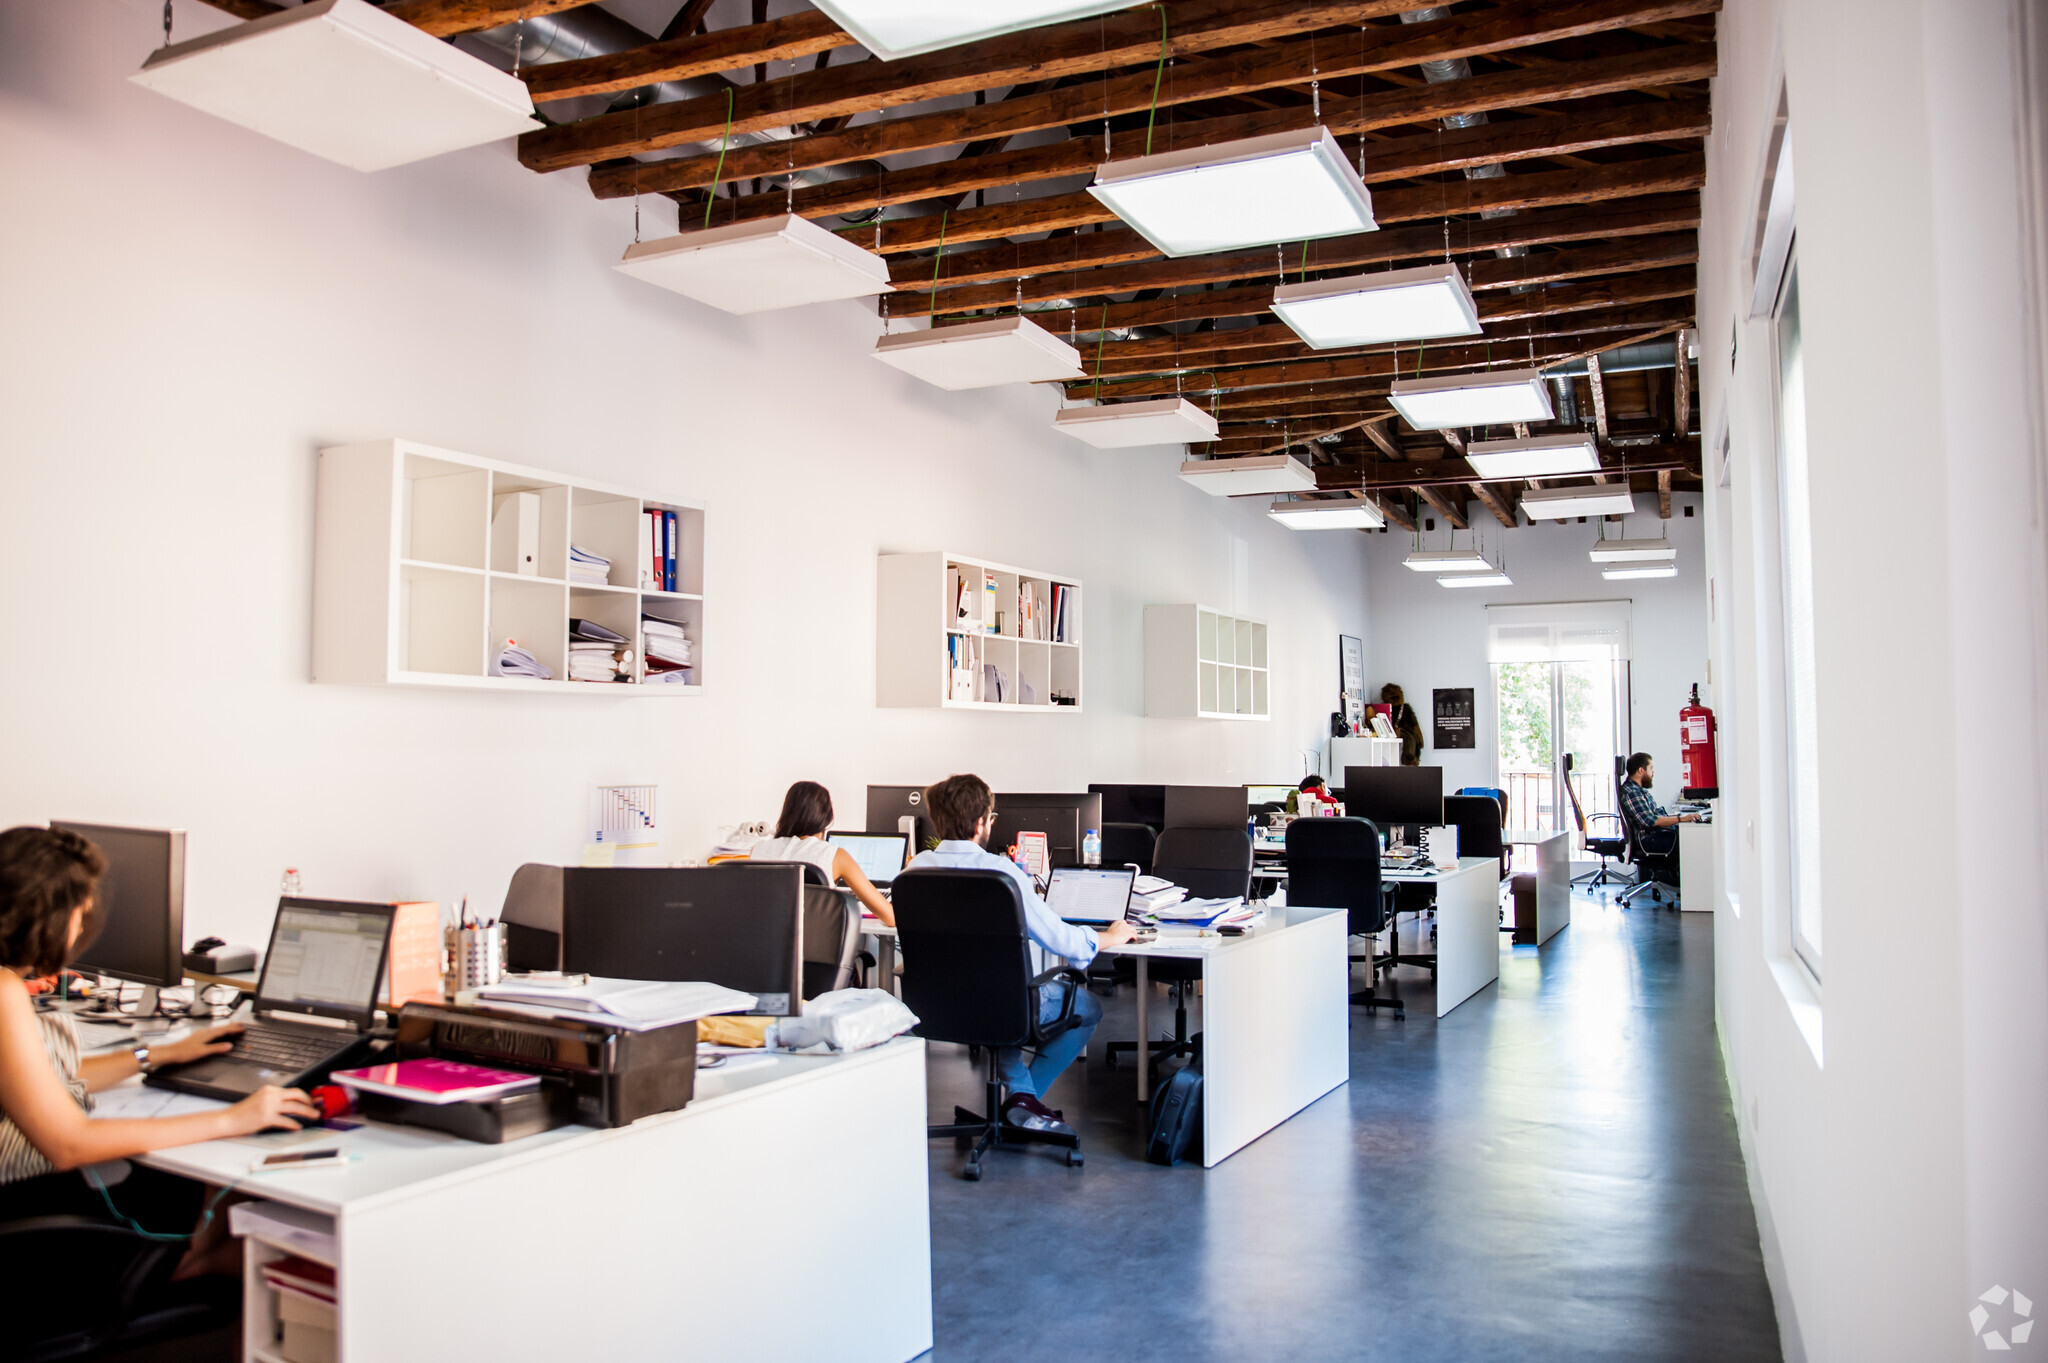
{"x":1089,"y":895}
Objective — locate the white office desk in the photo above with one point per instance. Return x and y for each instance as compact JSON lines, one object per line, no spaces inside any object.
{"x":1276,"y":1031}
{"x":1467,"y":926}
{"x":783,"y":1214}
{"x":1553,"y":877}
{"x":1699,"y":865}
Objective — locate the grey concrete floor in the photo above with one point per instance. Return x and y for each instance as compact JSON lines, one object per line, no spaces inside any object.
{"x":1549,"y":1172}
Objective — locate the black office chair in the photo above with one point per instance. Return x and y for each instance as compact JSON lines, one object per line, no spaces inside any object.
{"x":1335,"y":864}
{"x":1653,"y":869}
{"x":86,"y":1286}
{"x":1209,"y":863}
{"x":973,"y":985}
{"x":1613,"y":847}
{"x":1128,"y":844}
{"x":1482,"y":827}
{"x":832,"y":923}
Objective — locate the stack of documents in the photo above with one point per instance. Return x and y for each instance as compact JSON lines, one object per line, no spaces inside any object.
{"x":1206,"y":913}
{"x":1149,"y":894}
{"x":515,"y":661}
{"x":597,"y":654}
{"x":667,"y":649}
{"x":585,"y":566}
{"x":636,"y":1005}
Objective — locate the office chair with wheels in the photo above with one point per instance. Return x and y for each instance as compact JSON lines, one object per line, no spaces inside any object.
{"x":1481,"y":830}
{"x":1335,"y":864}
{"x":1605,"y":848}
{"x":1653,"y":869}
{"x":86,"y":1286}
{"x":1128,"y":844}
{"x":973,"y":986}
{"x":832,"y":923}
{"x":1209,"y":863}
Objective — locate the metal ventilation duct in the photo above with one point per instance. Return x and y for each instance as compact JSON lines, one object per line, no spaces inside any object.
{"x":1458,"y":68}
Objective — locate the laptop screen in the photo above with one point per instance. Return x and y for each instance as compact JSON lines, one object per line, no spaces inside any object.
{"x":326,"y":958}
{"x":880,"y":855}
{"x":1083,"y":894}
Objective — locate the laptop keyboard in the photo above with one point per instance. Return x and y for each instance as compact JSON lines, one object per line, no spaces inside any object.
{"x":279,"y":1049}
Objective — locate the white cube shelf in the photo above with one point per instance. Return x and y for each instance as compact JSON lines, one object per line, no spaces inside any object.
{"x":418,"y":581}
{"x":1201,"y":663}
{"x":961,"y":633}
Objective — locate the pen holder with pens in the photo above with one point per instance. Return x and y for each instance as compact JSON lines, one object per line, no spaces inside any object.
{"x":479,"y":956}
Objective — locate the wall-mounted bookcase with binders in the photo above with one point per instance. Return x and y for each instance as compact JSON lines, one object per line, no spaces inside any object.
{"x":962,"y":633}
{"x":1201,"y":663}
{"x":431,"y":567}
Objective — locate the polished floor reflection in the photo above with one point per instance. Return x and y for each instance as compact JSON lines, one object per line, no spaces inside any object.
{"x":1550,"y":1172}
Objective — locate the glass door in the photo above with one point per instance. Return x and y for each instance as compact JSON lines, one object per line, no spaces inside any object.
{"x":1544,"y":710}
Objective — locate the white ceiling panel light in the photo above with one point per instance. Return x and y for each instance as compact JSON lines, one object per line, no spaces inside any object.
{"x":1368,"y":309}
{"x":1336,"y":513}
{"x":1627,"y":574}
{"x":981,"y":354}
{"x":1458,"y":400}
{"x":346,"y":81}
{"x":1632,"y":551}
{"x":904,"y":28}
{"x":1564,"y":503}
{"x":1127,"y":425}
{"x":1249,"y":475}
{"x":758,"y":266}
{"x":1542,"y":456}
{"x":1292,"y":186}
{"x":1492,"y":579}
{"x":1447,"y":561}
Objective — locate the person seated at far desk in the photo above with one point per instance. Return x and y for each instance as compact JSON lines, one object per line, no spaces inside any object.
{"x":964,"y":812}
{"x":1656,"y":828}
{"x":800,"y":836}
{"x":47,"y":1136}
{"x":1312,"y":789}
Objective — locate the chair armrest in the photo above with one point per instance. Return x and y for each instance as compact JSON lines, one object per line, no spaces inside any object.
{"x":1077,"y":981}
{"x":1616,"y":817}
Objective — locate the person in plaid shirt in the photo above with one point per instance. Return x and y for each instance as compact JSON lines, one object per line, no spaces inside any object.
{"x":1655,"y":826}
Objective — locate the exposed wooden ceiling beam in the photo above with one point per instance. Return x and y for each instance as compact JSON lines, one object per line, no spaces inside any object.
{"x":1663,"y":495}
{"x":1503,"y":510}
{"x":1446,"y":501}
{"x":1325,"y":370}
{"x":1079,"y":47}
{"x":1673,"y":458}
{"x":1599,"y":395}
{"x":246,"y":9}
{"x":729,"y":49}
{"x":1397,"y":514}
{"x":444,"y":18}
{"x":1681,"y":393}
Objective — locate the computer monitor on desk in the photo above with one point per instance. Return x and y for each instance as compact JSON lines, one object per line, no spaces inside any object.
{"x":1132,"y":804}
{"x":1406,"y":798}
{"x":890,"y":806}
{"x":1206,"y":807}
{"x":136,"y":929}
{"x":1062,"y":818}
{"x":1254,"y":796}
{"x":738,"y":925}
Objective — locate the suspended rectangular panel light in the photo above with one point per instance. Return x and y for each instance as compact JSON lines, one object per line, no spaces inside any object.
{"x":346,"y":81}
{"x":1541,"y":456}
{"x":1127,"y":425}
{"x":1494,"y":579}
{"x":1337,"y":513}
{"x":1459,"y":400}
{"x":1632,"y":551}
{"x":981,"y":354}
{"x":1249,"y":475}
{"x":758,"y":266}
{"x":904,"y":28}
{"x":1563,"y":503}
{"x":1292,"y":186}
{"x":1367,"y":309}
{"x":1447,"y":561}
{"x":1624,"y":574}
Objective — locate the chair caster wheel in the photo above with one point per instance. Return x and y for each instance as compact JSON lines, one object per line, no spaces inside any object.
{"x":972,"y":1173}
{"x":1073,"y":1159}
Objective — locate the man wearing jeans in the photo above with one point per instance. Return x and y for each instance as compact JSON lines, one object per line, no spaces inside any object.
{"x":1655,"y":826}
{"x":963,"y":810}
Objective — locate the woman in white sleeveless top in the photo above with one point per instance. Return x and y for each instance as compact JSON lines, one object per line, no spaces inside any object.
{"x":800,"y":836}
{"x":47,"y":1133}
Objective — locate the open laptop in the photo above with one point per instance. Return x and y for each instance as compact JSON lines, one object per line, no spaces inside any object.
{"x":1090,"y":895}
{"x":879,"y":855}
{"x":315,"y":1001}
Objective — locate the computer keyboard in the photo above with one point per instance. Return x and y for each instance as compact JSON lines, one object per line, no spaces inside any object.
{"x":285,"y":1050}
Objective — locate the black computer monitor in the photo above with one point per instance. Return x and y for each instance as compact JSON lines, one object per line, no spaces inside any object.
{"x":736,"y":925}
{"x":1062,"y":818}
{"x":1396,"y":797}
{"x":888,"y":806}
{"x":136,"y":928}
{"x":1132,"y":804}
{"x":1205,"y":807}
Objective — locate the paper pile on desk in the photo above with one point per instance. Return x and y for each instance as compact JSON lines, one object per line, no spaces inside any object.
{"x":636,"y":1005}
{"x":1206,"y":913}
{"x":1150,"y":894}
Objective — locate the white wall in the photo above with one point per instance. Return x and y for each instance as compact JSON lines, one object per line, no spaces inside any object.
{"x":193,"y":311}
{"x":1893,"y":1112}
{"x":1425,"y":636}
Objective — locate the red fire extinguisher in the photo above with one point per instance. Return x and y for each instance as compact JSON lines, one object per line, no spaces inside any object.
{"x":1697,"y":779}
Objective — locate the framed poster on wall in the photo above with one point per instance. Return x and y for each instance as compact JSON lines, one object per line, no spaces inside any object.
{"x":1351,"y":659}
{"x":1453,"y":707}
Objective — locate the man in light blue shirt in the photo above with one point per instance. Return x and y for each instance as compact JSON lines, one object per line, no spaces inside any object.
{"x":963,"y":810}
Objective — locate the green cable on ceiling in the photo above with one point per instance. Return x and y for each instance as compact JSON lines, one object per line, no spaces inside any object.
{"x":937,"y":256}
{"x":1158,"y":75}
{"x":711,"y":195}
{"x":1101,"y":335}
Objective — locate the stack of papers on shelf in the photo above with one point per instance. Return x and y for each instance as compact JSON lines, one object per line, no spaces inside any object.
{"x":515,"y":661}
{"x":585,"y":566}
{"x":301,"y":1278}
{"x":667,"y":649}
{"x":636,"y":1005}
{"x":597,"y":654}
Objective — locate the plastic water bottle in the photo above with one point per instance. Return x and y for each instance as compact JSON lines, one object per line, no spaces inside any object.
{"x":1091,"y":848}
{"x":289,"y":886}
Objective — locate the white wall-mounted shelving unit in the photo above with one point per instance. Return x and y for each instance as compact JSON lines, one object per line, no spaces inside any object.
{"x":1201,"y":663}
{"x":1023,"y":623}
{"x":411,"y":587}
